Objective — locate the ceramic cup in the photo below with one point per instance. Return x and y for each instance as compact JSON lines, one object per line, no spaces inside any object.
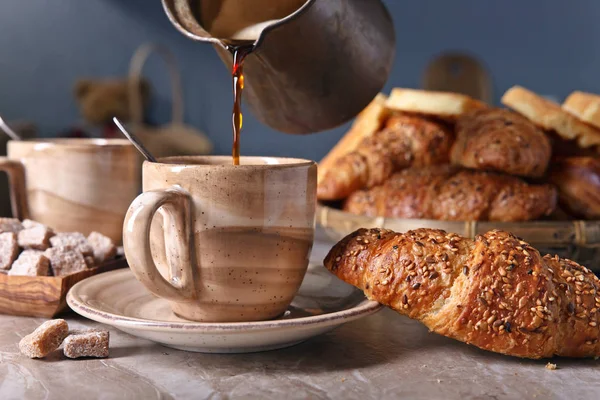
{"x":223,"y":243}
{"x":73,"y":185}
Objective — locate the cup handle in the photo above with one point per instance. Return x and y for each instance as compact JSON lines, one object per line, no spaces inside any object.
{"x":16,"y":181}
{"x":176,"y":210}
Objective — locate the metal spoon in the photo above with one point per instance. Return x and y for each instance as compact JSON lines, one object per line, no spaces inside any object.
{"x":134,"y":140}
{"x":7,"y":129}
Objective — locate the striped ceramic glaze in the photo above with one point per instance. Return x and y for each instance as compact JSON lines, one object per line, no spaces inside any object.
{"x":73,"y":185}
{"x":223,"y":242}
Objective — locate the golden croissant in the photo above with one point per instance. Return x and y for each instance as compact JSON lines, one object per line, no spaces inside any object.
{"x":405,"y":141}
{"x":495,"y":292}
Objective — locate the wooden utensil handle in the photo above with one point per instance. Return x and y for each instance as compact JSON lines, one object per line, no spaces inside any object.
{"x":18,"y":192}
{"x":175,"y":206}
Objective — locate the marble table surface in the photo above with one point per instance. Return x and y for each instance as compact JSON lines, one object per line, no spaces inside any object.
{"x":384,"y":356}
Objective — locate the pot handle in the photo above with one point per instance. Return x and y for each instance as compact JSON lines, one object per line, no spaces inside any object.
{"x":16,"y":180}
{"x":175,"y":206}
{"x":135,"y":77}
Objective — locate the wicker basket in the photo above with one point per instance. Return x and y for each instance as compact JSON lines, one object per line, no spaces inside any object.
{"x":577,"y":240}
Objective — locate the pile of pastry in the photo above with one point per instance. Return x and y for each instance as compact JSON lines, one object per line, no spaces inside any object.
{"x":446,"y":156}
{"x":30,"y":248}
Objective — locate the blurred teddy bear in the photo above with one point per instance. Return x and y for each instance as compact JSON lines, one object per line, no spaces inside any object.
{"x":100,"y":100}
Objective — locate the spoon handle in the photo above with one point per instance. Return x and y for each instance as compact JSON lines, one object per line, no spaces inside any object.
{"x":7,"y":129}
{"x":134,"y":140}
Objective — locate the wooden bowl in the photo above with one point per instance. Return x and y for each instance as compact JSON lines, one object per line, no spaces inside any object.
{"x":44,"y":296}
{"x":577,"y":240}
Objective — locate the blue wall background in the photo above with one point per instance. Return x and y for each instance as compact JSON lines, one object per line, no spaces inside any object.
{"x":547,"y":45}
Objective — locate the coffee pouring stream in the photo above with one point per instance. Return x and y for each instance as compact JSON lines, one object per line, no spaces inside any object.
{"x":315,"y":64}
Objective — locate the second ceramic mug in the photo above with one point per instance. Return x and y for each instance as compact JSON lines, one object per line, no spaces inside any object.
{"x":221,"y":242}
{"x":79,"y":185}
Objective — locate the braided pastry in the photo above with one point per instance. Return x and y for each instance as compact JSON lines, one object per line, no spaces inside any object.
{"x":496,"y":292}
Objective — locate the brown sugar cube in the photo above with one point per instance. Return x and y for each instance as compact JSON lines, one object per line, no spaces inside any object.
{"x":45,"y":339}
{"x":90,"y":262}
{"x":9,"y":249}
{"x":76,"y":240}
{"x":28,"y":223}
{"x":10,"y":225}
{"x":36,"y":237}
{"x":90,"y":343}
{"x":103,"y":246}
{"x":65,"y":260}
{"x":31,"y":263}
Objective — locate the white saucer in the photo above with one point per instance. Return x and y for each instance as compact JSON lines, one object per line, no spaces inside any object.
{"x":116,"y":298}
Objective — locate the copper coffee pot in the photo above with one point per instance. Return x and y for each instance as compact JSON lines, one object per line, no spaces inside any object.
{"x":314,"y":68}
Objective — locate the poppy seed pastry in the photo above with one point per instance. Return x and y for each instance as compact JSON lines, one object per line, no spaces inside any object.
{"x":406,"y":140}
{"x":500,"y":140}
{"x":495,"y":292}
{"x":452,"y":193}
{"x":578,"y":183}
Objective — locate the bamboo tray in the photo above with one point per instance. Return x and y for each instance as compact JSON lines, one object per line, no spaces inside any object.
{"x":44,"y":296}
{"x":577,"y":240}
